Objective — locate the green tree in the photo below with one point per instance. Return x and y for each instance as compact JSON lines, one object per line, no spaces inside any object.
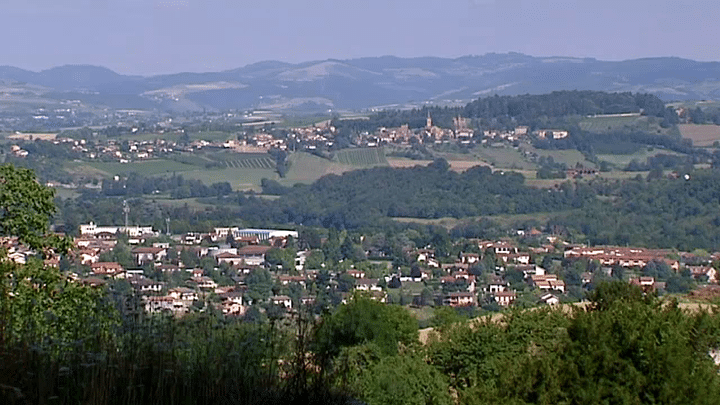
{"x":25,"y":209}
{"x":404,"y":379}
{"x":364,"y":320}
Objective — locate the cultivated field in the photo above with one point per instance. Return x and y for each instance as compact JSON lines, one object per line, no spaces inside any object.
{"x":701,"y":135}
{"x":362,"y":157}
{"x":251,"y":163}
{"x":306,"y":168}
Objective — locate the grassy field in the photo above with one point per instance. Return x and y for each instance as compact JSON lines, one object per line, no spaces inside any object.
{"x":701,"y":135}
{"x":365,"y":157}
{"x":144,"y":167}
{"x":621,"y":161}
{"x":569,"y":157}
{"x":192,"y":203}
{"x":504,"y":220}
{"x":306,"y":168}
{"x":456,"y":165}
{"x":503,"y":158}
{"x":172,"y":136}
{"x":605,"y":124}
{"x":238,"y":177}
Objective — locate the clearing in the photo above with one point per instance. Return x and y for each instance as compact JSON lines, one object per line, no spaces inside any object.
{"x":700,"y":135}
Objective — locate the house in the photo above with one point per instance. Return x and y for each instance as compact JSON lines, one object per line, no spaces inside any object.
{"x":550,"y":299}
{"x":505,"y":298}
{"x":460,"y":299}
{"x":146,"y":285}
{"x":88,"y":256}
{"x":145,"y":255}
{"x":701,"y":272}
{"x":106,"y":268}
{"x":469,"y":258}
{"x":168,"y":268}
{"x":367,"y":284}
{"x":281,"y":300}
{"x":547,"y":282}
{"x":357,"y":274}
{"x":285,"y":280}
{"x":183,"y":294}
{"x":253,"y":255}
{"x":647,"y":284}
{"x":232,"y":303}
{"x":204,"y":283}
{"x":425,"y":254}
{"x":496,"y":284}
{"x":155,"y":304}
{"x":229,"y":258}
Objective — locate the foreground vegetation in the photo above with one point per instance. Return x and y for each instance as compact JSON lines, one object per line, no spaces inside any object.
{"x":66,"y":342}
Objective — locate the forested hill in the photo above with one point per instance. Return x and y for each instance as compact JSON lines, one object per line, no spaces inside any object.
{"x":510,"y":111}
{"x":660,"y":212}
{"x":357,"y":198}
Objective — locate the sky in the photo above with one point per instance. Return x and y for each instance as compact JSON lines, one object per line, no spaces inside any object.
{"x":148,"y":37}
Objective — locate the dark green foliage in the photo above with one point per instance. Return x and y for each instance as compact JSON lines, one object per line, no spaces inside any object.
{"x":509,"y":111}
{"x":361,"y":197}
{"x":404,"y":379}
{"x":626,"y":348}
{"x":364,"y":320}
{"x":25,"y":208}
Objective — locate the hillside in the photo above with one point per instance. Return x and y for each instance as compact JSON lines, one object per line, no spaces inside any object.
{"x":371,"y":82}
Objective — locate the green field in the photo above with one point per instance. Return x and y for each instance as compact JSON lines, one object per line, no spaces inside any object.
{"x":604,"y":124}
{"x":621,"y":161}
{"x":570,"y":157}
{"x":144,"y":167}
{"x":239,"y":178}
{"x":503,"y":158}
{"x":306,"y":168}
{"x":362,"y":157}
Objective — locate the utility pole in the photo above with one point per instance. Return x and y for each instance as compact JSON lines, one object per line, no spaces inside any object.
{"x":126,"y":210}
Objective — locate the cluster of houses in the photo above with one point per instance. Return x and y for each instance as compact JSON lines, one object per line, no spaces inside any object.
{"x":456,"y":282}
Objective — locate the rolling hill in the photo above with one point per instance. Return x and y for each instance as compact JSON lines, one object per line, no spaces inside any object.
{"x":371,"y":82}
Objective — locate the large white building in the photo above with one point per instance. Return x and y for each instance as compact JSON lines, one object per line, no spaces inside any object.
{"x":133,"y":231}
{"x":264,"y":234}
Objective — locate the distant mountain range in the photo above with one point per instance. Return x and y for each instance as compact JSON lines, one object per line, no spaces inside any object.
{"x":367,"y":82}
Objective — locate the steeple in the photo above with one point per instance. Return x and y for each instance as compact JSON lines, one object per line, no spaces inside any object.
{"x":428,"y":123}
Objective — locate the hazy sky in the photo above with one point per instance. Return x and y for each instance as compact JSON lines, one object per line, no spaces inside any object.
{"x":168,"y":36}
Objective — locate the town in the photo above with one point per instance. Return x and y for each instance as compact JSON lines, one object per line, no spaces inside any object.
{"x":232,"y":270}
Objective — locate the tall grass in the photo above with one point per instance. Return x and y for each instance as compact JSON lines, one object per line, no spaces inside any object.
{"x":200,"y":359}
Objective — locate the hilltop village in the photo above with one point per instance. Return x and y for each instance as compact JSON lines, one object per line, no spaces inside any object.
{"x":171,"y":139}
{"x":248,"y":271}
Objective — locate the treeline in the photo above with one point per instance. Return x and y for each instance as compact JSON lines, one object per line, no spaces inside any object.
{"x":507,"y":112}
{"x":681,"y":213}
{"x":618,"y":142}
{"x":177,"y":186}
{"x":361,"y":197}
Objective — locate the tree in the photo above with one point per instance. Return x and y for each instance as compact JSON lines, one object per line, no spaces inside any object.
{"x":364,"y":320}
{"x":38,"y":304}
{"x":25,"y":209}
{"x":404,"y":379}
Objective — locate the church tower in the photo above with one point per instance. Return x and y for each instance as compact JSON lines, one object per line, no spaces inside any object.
{"x":428,"y":123}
